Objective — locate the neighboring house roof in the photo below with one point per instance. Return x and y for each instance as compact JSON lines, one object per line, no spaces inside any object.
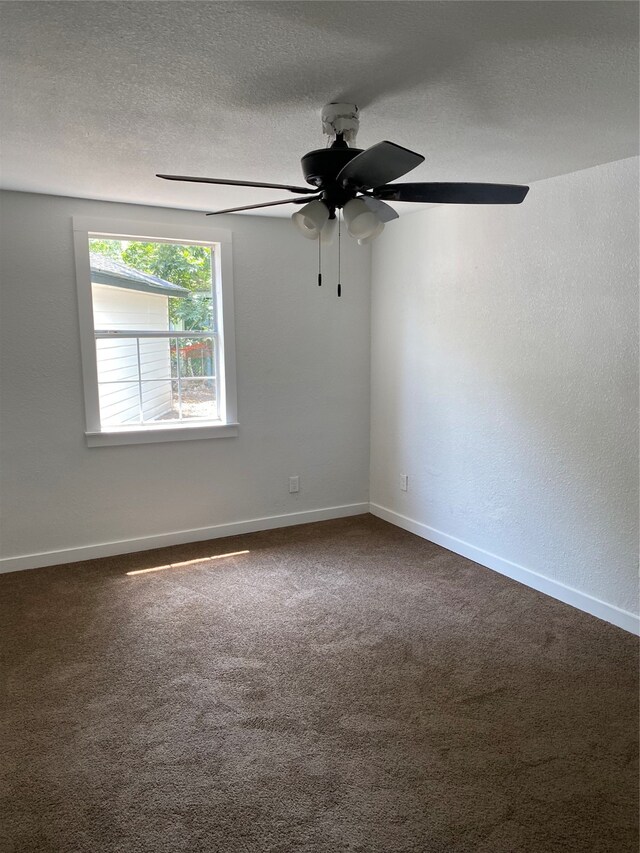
{"x":105,"y":270}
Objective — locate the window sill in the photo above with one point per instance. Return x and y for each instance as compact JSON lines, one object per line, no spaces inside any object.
{"x":150,"y":435}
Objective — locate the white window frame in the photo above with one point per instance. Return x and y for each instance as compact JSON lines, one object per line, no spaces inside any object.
{"x":84,"y":228}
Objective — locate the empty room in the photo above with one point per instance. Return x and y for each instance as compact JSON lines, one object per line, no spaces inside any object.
{"x":319,"y":427}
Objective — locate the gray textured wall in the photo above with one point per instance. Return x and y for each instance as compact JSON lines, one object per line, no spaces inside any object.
{"x":303,"y":391}
{"x":505,"y":379}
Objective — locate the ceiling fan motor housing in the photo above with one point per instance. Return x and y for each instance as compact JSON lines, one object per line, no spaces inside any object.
{"x":321,"y":166}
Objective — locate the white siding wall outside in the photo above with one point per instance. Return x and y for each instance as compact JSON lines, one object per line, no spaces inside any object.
{"x":118,"y":308}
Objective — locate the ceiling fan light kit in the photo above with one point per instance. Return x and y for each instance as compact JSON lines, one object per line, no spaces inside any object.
{"x":311,"y":219}
{"x":360,"y":220}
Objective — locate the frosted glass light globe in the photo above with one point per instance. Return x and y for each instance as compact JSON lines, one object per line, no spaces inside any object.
{"x":361,"y":222}
{"x":311,"y":218}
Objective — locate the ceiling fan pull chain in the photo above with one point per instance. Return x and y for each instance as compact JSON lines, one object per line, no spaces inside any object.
{"x":339,"y":230}
{"x":319,"y":261}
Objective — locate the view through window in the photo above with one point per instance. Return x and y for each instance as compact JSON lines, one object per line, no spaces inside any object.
{"x":155,"y":327}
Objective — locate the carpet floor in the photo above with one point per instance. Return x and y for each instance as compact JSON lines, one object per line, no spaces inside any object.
{"x":343,"y":686}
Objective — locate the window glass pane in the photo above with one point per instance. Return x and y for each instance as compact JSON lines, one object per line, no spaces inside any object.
{"x":155,"y":358}
{"x":182,"y":400}
{"x":159,"y":400}
{"x":119,"y":403}
{"x":117,"y":359}
{"x":176,"y":379}
{"x":192,"y":357}
{"x":198,"y":399}
{"x":151,"y":286}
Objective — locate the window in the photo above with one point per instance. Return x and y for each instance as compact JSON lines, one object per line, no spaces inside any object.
{"x":156,"y":331}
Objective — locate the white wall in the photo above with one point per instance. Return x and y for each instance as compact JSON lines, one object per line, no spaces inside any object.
{"x":505,"y":383}
{"x":303,"y":393}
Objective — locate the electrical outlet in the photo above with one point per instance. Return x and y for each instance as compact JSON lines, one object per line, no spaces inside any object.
{"x":404,"y":482}
{"x":294,"y":484}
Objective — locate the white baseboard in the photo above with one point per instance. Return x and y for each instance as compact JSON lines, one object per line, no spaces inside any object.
{"x":178,"y":537}
{"x":608,"y":612}
{"x":581,"y":600}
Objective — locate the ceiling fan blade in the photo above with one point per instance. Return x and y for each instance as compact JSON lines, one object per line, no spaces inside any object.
{"x":265,"y":204}
{"x":231,"y":183}
{"x":453,"y":193}
{"x":379,"y":164}
{"x":382,"y":210}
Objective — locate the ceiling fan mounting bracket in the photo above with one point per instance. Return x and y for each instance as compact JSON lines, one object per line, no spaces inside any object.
{"x":341,"y":119}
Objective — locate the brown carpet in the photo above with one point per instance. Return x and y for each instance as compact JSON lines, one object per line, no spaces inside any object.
{"x":345,"y":686}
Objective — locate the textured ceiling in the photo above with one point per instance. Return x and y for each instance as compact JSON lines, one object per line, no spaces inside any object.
{"x":97,"y":97}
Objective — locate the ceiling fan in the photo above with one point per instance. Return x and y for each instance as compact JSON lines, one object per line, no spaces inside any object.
{"x":357,"y":182}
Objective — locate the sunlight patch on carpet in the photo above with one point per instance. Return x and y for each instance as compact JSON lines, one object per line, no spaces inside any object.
{"x":187,"y":563}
